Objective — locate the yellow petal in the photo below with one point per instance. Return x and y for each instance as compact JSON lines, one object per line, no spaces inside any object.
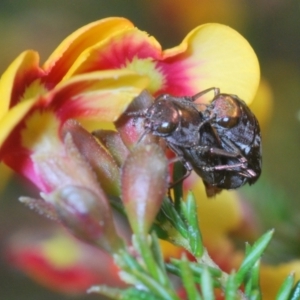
{"x":60,"y":251}
{"x":15,"y":77}
{"x":215,"y":55}
{"x":13,"y":117}
{"x":129,"y":49}
{"x":262,"y":105}
{"x":67,"y":52}
{"x":102,"y":96}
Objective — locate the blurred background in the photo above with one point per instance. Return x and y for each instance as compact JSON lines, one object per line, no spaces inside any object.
{"x":273,"y":30}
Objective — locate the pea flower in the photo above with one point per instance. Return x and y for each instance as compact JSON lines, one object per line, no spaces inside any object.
{"x":91,"y":78}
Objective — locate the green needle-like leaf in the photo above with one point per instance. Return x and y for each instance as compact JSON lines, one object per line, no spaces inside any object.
{"x":195,"y":238}
{"x":231,"y":288}
{"x":126,"y":262}
{"x":198,"y":268}
{"x":253,"y":255}
{"x":141,"y":242}
{"x":207,"y":286}
{"x":138,"y":294}
{"x":255,"y":295}
{"x":252,"y":283}
{"x":295,"y":294}
{"x":157,"y":253}
{"x":187,"y":279}
{"x":286,"y":288}
{"x":174,"y":217}
{"x":155,"y":287}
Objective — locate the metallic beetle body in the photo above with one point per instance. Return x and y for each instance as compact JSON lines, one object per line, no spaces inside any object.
{"x":221,"y":143}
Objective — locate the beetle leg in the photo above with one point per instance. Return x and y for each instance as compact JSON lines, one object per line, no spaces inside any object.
{"x":221,"y":152}
{"x":224,"y":167}
{"x":179,"y":157}
{"x":241,"y":160}
{"x":198,"y":95}
{"x":187,"y":174}
{"x":234,"y":153}
{"x":248,"y":173}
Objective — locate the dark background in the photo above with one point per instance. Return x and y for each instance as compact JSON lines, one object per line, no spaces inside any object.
{"x":273,"y":30}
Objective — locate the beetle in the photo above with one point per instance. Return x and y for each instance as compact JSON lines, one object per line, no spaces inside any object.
{"x":220,"y":141}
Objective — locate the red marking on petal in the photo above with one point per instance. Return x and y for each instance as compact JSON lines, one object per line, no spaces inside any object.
{"x":119,"y":50}
{"x":27,"y":72}
{"x":22,"y":81}
{"x":17,"y":157}
{"x":19,"y":160}
{"x":73,"y":278}
{"x":177,"y":78}
{"x":68,"y":51}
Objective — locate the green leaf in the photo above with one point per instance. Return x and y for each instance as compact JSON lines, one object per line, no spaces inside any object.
{"x":195,"y":238}
{"x":157,"y":253}
{"x":207,"y":286}
{"x":170,"y":213}
{"x":252,"y":283}
{"x":255,"y":295}
{"x":141,"y":242}
{"x":137,"y":294}
{"x":231,"y":288}
{"x":126,"y":262}
{"x":252,"y":256}
{"x":196,"y":268}
{"x":295,"y":294}
{"x":286,"y":288}
{"x":155,"y":287}
{"x":187,"y":276}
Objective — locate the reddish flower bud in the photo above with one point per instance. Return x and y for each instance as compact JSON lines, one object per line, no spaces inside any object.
{"x":144,"y":185}
{"x":112,"y":141}
{"x":86,"y":215}
{"x":101,"y":161}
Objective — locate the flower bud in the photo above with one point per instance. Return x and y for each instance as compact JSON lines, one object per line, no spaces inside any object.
{"x":144,"y":185}
{"x":86,"y":215}
{"x":112,"y":141}
{"x":101,"y":161}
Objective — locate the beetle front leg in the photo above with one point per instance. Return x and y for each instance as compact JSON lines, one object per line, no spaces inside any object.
{"x":221,"y":152}
{"x":241,"y":160}
{"x":232,"y":152}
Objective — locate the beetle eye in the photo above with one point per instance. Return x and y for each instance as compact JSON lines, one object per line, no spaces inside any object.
{"x":228,"y":122}
{"x":166,"y":127}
